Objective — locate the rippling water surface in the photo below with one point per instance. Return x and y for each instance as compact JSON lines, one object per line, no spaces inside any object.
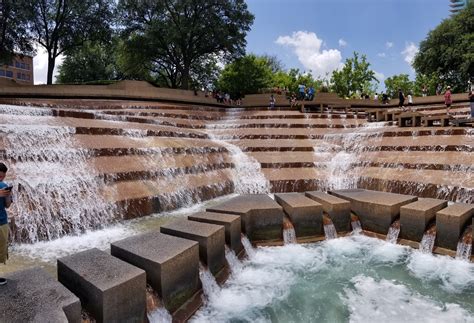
{"x":350,"y":279}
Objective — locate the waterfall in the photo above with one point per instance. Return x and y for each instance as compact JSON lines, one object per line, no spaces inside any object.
{"x":156,"y":312}
{"x":345,"y":151}
{"x":428,"y":241}
{"x":355,"y":224}
{"x":464,"y":247}
{"x":289,"y":234}
{"x":249,"y":249}
{"x":329,"y":228}
{"x":234,"y":263}
{"x":209,"y":283}
{"x":393,"y":232}
{"x":247,"y":174}
{"x":55,"y":190}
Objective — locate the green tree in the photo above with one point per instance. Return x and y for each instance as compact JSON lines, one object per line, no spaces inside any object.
{"x":176,"y":38}
{"x":90,"y":62}
{"x":246,"y":75}
{"x":401,"y":81}
{"x":430,"y":81}
{"x":355,"y":76}
{"x":61,"y":25}
{"x":448,"y":50}
{"x":14,"y":33}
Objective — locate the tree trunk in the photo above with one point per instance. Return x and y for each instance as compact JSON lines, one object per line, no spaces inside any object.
{"x":185,"y":78}
{"x":51,"y":62}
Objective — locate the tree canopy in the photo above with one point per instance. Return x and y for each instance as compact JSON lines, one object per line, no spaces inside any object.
{"x":61,"y":25}
{"x":14,"y":34}
{"x":178,"y":38}
{"x":246,"y":75}
{"x":396,"y":82}
{"x":448,"y":50}
{"x":355,"y":76}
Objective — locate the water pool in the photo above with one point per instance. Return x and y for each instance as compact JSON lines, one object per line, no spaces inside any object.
{"x":349,"y":279}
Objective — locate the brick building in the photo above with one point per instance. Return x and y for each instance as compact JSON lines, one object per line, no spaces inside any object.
{"x":20,"y":69}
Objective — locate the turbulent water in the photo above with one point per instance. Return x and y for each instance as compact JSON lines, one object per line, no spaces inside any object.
{"x":56,"y":190}
{"x":350,"y":279}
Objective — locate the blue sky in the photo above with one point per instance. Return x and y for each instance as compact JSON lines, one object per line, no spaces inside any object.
{"x":318,"y":35}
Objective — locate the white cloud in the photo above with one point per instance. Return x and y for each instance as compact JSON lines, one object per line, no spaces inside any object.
{"x":379,"y":76}
{"x":307,"y":47}
{"x":409,"y":52}
{"x":40,"y":66}
{"x":342,"y":43}
{"x":389,"y":44}
{"x":381,"y":55}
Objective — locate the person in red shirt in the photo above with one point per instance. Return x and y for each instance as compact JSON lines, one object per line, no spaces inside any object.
{"x":447,"y":98}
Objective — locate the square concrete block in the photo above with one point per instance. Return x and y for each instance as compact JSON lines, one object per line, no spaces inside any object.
{"x":415,"y":217}
{"x":262,"y":217}
{"x":450,"y":223}
{"x":376,"y":210}
{"x":171,"y":264}
{"x":32,"y":295}
{"x":109,"y":288}
{"x":211,"y":239}
{"x":305,"y":213}
{"x":231,"y":223}
{"x":339,"y":210}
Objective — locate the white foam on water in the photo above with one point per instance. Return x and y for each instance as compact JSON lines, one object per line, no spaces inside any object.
{"x":386,"y":301}
{"x":49,"y":251}
{"x":160,"y":315}
{"x":267,"y":278}
{"x":454,"y":275}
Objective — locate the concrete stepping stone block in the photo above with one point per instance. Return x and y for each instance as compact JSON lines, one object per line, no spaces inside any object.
{"x":171,"y":264}
{"x":261,"y":216}
{"x":415,"y":217}
{"x":450,"y":223}
{"x":231,"y":223}
{"x":109,"y":288}
{"x":211,"y":239}
{"x":305,"y":213}
{"x":32,"y":295}
{"x":339,"y":210}
{"x":376,"y":210}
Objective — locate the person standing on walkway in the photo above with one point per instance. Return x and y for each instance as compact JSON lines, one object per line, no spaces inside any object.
{"x":471,"y":101}
{"x":272,"y":101}
{"x":5,"y":201}
{"x":447,"y":99}
{"x":401,"y":98}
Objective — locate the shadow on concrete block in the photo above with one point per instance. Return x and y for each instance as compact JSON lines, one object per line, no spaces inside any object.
{"x":339,"y":210}
{"x":376,"y":210}
{"x":109,"y":288}
{"x":305,"y":213}
{"x":211,"y":239}
{"x":416,"y":216}
{"x":450,"y":223}
{"x":231,"y":223}
{"x":32,"y":295}
{"x":261,"y":216}
{"x":171,"y":264}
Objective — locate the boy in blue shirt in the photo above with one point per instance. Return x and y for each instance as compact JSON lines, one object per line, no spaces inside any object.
{"x":5,"y":201}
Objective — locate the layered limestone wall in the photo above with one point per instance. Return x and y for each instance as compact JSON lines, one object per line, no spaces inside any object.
{"x":113,"y":286}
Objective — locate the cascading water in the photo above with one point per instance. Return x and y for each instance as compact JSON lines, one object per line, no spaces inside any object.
{"x":329,"y":228}
{"x":464,"y":247}
{"x":355,"y":224}
{"x":234,"y":262}
{"x":55,"y":190}
{"x":428,"y":241}
{"x":156,"y":312}
{"x":249,"y":249}
{"x":393,"y":232}
{"x":247,"y":174}
{"x":289,"y":234}
{"x":346,"y":151}
{"x":209,"y":283}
